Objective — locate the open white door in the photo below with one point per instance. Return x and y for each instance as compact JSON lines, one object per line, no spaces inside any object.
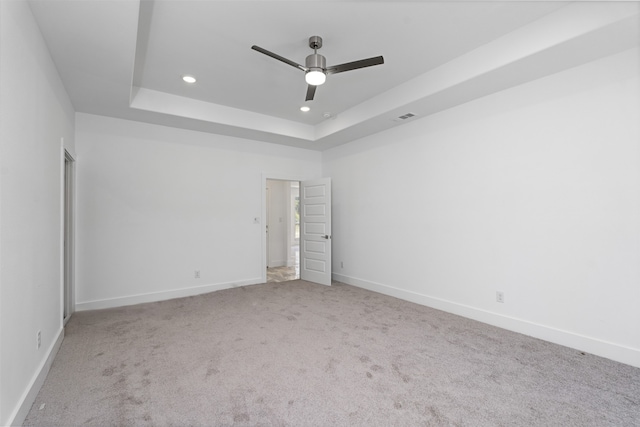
{"x":315,"y":231}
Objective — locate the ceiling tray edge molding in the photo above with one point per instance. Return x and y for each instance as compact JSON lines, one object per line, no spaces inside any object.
{"x":164,"y":103}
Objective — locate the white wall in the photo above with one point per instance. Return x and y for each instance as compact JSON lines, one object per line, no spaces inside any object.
{"x":35,"y":114}
{"x":157,"y":203}
{"x":533,"y":191}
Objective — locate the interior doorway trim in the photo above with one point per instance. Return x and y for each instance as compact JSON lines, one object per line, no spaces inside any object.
{"x":263,"y":221}
{"x":68,"y":235}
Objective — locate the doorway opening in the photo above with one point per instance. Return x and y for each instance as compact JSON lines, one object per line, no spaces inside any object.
{"x":282,"y":230}
{"x":68,"y":238}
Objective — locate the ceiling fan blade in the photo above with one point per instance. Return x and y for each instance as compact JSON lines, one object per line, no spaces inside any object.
{"x":278,"y":57}
{"x":355,"y":65}
{"x":311,"y":91}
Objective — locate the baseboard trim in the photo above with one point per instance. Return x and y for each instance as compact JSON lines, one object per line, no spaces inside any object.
{"x":609,"y":350}
{"x":162,"y":295}
{"x":30,"y":394}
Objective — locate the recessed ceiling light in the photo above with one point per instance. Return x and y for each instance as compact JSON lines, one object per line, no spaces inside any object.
{"x":189,"y":79}
{"x":304,"y":108}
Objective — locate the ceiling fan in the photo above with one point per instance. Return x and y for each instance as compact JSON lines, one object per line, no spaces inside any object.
{"x":315,"y":65}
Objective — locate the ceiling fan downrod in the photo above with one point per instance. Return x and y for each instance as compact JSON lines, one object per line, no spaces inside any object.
{"x":315,"y":61}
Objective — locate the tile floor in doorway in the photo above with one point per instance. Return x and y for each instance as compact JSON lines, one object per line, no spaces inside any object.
{"x":282,"y":274}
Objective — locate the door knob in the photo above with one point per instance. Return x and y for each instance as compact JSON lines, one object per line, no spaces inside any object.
{"x":326,"y":236}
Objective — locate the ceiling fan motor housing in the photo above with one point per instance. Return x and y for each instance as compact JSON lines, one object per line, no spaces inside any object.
{"x":316,"y":62}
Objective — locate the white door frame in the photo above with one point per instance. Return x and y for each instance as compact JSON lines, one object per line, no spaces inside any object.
{"x":67,"y":232}
{"x":263,"y":187}
{"x":265,"y":227}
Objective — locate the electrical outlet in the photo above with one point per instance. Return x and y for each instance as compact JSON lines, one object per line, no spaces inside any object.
{"x":196,"y":274}
{"x":341,"y":264}
{"x":38,"y":340}
{"x":499,"y":297}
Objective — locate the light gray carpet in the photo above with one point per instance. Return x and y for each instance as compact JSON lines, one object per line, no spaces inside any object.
{"x":301,"y":354}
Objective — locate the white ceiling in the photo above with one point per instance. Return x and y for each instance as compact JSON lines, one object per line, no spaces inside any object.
{"x":125,"y":58}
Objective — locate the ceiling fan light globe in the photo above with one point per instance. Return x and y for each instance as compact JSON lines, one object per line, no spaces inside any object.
{"x":315,"y":77}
